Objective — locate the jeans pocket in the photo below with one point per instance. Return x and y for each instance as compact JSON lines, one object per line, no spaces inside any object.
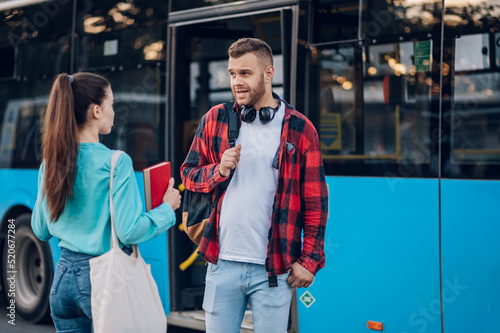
{"x":82,"y":275}
{"x":283,"y":279}
{"x":60,"y":270}
{"x":212,"y":268}
{"x":209,"y":297}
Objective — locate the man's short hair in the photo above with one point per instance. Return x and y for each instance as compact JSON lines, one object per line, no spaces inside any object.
{"x":252,"y":45}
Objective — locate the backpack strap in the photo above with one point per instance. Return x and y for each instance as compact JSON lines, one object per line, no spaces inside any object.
{"x":233,"y":130}
{"x":233,"y":123}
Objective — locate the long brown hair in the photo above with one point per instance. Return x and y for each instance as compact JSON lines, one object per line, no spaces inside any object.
{"x":67,"y":111}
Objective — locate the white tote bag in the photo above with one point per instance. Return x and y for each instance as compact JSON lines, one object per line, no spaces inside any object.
{"x":124,"y":296}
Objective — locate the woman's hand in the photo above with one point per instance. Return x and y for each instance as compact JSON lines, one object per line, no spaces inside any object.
{"x":172,"y":195}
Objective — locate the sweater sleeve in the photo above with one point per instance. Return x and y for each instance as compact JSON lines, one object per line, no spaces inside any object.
{"x":39,"y":219}
{"x":132,"y":225}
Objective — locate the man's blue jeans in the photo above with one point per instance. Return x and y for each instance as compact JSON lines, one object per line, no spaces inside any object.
{"x":231,"y":285}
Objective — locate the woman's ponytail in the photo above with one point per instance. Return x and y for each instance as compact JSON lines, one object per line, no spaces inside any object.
{"x":67,"y":111}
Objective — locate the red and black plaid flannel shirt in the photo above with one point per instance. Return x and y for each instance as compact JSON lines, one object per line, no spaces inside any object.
{"x":301,"y":200}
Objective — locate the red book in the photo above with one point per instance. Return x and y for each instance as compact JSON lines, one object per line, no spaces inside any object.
{"x":156,"y":179}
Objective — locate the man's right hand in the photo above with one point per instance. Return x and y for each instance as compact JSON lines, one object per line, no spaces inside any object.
{"x":229,"y":160}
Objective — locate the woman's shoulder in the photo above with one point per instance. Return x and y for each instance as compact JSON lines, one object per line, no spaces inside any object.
{"x":124,"y":165}
{"x":124,"y":159}
{"x":99,"y":154}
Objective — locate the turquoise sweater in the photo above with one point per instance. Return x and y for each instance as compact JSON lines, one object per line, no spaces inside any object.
{"x":85,"y":224}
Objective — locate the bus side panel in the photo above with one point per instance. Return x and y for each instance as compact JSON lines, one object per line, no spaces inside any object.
{"x":382,"y":258}
{"x":154,"y":253}
{"x":18,"y":187}
{"x":471,"y":255}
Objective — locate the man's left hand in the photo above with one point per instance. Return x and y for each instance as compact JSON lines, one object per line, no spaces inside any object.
{"x":300,"y":277}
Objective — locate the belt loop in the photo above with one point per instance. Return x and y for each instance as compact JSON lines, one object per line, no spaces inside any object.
{"x":273,"y":281}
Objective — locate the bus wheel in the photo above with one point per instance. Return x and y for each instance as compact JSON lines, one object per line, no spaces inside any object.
{"x":30,"y":262}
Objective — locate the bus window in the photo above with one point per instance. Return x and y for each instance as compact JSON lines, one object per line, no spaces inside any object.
{"x":126,"y":43}
{"x":375,"y":93}
{"x":26,"y":77}
{"x":335,"y":20}
{"x":471,"y":119}
{"x":472,"y":52}
{"x":475,"y":118}
{"x":400,"y":18}
{"x":378,"y":113}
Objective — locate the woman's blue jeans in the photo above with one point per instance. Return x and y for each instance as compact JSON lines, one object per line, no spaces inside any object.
{"x":70,"y":293}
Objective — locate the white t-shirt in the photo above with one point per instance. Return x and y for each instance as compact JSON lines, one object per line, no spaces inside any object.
{"x":245,"y":216}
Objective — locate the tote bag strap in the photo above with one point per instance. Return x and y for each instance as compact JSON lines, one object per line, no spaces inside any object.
{"x":114,"y":159}
{"x":114,"y":237}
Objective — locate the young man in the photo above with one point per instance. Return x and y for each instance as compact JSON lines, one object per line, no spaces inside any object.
{"x":253,"y":239}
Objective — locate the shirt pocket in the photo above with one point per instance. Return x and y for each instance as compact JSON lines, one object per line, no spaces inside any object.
{"x":289,"y":160}
{"x":58,"y":275}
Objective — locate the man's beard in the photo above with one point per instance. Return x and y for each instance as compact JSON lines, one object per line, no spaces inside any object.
{"x":256,"y":93}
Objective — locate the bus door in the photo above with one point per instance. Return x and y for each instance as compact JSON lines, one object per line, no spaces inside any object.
{"x":198,"y":81}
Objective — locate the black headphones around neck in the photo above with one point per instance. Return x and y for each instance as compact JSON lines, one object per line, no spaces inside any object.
{"x":266,"y":113}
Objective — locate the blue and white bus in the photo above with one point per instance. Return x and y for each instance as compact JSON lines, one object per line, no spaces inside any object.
{"x":405,"y":95}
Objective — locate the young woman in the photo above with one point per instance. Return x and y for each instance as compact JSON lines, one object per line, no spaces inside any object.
{"x":73,"y":194}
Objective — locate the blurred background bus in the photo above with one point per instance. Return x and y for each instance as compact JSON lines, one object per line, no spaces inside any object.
{"x":405,"y":95}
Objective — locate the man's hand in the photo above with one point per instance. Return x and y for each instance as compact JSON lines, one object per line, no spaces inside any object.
{"x":300,"y":277}
{"x":229,"y":160}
